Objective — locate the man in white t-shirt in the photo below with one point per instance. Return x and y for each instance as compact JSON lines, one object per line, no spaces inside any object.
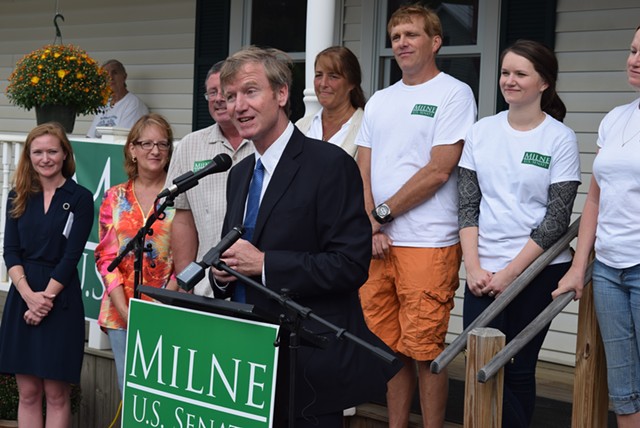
{"x":409,"y":146}
{"x":123,"y":109}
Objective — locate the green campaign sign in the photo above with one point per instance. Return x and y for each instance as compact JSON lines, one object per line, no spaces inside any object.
{"x":189,"y":369}
{"x":99,"y":165}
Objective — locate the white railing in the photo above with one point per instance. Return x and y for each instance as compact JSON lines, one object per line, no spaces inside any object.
{"x":11,"y":149}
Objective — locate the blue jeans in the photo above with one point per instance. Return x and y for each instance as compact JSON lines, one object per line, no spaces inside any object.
{"x":616,"y":294}
{"x":519,"y":375}
{"x":118,"y":339}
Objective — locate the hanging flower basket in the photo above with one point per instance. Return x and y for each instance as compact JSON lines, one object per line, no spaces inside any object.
{"x":59,"y":75}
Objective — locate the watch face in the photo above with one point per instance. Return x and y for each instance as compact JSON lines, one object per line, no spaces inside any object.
{"x":383,"y":211}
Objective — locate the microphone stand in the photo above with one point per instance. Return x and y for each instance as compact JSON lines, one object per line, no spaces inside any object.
{"x":136,"y":244}
{"x":294,"y":326}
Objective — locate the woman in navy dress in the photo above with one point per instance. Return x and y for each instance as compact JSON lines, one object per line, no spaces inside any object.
{"x":49,"y":218}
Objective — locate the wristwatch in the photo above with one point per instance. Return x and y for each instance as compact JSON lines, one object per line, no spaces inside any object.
{"x":382,"y":214}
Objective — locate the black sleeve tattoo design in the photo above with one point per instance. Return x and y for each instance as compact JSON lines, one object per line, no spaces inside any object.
{"x":556,"y":220}
{"x":469,"y":196}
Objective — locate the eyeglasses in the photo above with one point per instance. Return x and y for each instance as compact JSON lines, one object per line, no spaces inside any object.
{"x":148,"y":145}
{"x":210,"y":96}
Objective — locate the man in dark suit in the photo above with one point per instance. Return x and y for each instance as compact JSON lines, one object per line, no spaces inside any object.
{"x":311,"y":236}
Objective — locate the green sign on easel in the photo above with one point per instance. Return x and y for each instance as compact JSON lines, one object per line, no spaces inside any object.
{"x":186,"y":368}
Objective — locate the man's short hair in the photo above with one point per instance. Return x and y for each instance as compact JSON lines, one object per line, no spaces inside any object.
{"x":215,"y":68}
{"x":404,"y":14}
{"x":277,"y":66}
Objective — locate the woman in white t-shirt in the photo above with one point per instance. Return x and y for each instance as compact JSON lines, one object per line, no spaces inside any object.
{"x":518,"y":178}
{"x":611,"y":220}
{"x":337,"y":85}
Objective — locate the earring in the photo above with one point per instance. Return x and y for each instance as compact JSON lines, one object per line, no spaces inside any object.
{"x":135,"y":159}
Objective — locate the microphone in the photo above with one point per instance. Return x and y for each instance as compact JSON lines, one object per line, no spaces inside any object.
{"x":186,"y":181}
{"x":194,"y":272}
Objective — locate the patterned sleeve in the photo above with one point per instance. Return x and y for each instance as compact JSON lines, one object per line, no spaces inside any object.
{"x":469,"y":197}
{"x":107,"y":249}
{"x":556,"y":220}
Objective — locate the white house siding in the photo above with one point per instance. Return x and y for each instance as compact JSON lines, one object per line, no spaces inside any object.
{"x":154,"y":39}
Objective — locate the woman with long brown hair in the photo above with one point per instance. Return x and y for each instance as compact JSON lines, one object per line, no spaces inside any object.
{"x":518,"y":178}
{"x":49,"y":217}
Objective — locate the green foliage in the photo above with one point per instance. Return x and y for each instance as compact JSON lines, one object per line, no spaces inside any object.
{"x":59,"y":75}
{"x":8,"y":397}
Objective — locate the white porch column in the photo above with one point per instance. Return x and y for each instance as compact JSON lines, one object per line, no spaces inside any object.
{"x":320,"y":24}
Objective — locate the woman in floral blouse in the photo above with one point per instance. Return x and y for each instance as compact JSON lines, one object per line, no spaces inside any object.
{"x":124,"y":211}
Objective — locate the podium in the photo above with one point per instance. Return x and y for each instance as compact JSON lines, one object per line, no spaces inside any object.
{"x":196,"y":361}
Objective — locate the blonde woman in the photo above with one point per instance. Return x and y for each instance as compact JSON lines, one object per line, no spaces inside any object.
{"x":123,"y":212}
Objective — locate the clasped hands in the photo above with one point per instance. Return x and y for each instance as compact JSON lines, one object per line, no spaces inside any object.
{"x":482,"y":282}
{"x":39,"y":304}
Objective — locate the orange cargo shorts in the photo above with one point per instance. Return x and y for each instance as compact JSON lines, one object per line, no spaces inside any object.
{"x":408,"y":298}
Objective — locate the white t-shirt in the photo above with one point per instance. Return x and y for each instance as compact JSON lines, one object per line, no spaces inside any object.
{"x":617,"y":172}
{"x":123,"y":114}
{"x":401,"y":124}
{"x":514,"y":170}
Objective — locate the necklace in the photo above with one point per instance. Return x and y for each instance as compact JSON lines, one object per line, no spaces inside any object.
{"x":626,"y":125}
{"x":329,"y":131}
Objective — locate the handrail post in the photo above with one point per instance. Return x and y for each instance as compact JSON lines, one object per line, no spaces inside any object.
{"x":590,"y":392}
{"x":483,"y":401}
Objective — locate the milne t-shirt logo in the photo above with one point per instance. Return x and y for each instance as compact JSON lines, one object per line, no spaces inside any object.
{"x":424,"y":110}
{"x":198,"y":165}
{"x":536,"y":159}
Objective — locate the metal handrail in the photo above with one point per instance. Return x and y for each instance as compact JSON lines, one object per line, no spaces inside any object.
{"x":525,"y":336}
{"x":504,"y":298}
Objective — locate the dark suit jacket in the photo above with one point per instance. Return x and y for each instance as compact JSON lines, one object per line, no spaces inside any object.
{"x":316,"y":237}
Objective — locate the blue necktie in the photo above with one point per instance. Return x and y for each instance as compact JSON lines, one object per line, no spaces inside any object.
{"x":253,"y":204}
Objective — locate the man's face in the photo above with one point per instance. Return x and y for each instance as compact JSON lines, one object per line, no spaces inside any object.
{"x":254,"y":107}
{"x":217,"y":104}
{"x":412,"y":47}
{"x":116,"y":77}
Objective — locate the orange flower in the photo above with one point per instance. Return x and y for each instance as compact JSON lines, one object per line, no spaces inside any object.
{"x":85,"y":88}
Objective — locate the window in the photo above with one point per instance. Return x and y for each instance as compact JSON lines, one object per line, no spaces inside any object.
{"x":279,"y":24}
